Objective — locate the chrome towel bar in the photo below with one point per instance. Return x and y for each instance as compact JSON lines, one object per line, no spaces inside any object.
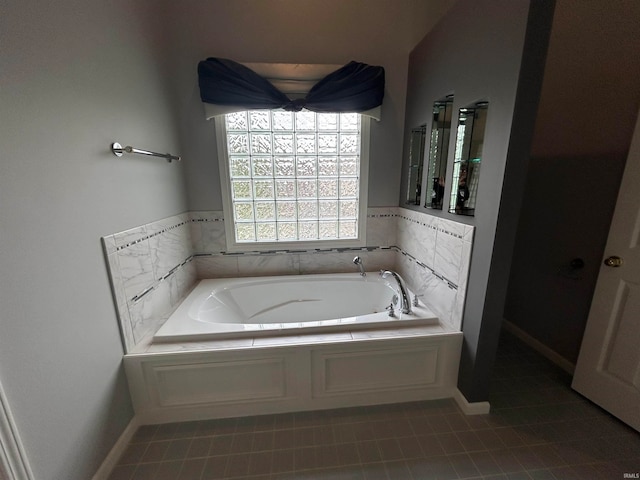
{"x":118,"y":150}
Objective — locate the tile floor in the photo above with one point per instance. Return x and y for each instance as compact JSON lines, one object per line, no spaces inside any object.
{"x":538,"y":429}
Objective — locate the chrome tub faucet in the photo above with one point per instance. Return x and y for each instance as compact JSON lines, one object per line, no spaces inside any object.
{"x":406,"y":304}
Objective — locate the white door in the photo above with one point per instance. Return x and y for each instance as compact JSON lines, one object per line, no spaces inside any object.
{"x":608,"y":368}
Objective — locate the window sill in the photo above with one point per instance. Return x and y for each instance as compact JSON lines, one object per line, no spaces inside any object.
{"x":235,"y":247}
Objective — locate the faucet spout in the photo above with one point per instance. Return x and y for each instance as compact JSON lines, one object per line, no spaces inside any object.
{"x":358,"y":262}
{"x":406,"y":304}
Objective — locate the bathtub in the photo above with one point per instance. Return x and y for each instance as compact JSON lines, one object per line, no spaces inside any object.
{"x":283,"y":305}
{"x":254,"y":346}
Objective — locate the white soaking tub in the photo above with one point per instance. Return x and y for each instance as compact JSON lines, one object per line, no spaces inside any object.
{"x":250,"y":307}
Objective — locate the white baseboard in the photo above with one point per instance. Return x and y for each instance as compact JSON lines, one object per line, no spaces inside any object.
{"x":116,"y":452}
{"x":540,"y":347}
{"x":473,"y":408}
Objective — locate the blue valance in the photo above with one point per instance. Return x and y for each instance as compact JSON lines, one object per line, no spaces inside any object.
{"x":355,"y":87}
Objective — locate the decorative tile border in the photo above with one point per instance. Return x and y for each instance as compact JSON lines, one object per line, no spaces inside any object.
{"x":293,"y":251}
{"x":196,"y":220}
{"x":141,"y":295}
{"x":449,"y":283}
{"x":150,"y":236}
{"x":437,"y":227}
{"x":381,"y":215}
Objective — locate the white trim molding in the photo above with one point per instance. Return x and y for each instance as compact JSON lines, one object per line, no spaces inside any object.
{"x":111,"y":460}
{"x":13,"y":459}
{"x":540,"y":347}
{"x":470,"y":408}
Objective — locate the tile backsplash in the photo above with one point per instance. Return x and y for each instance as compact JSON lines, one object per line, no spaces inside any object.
{"x":151,"y":270}
{"x":152,"y":267}
{"x":434,"y":261}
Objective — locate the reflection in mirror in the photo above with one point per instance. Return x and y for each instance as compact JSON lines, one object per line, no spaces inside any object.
{"x":438,"y":152}
{"x":468,"y":157}
{"x":416,"y":155}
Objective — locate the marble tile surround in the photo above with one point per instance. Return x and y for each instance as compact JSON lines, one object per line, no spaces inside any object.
{"x":152,"y":267}
{"x":151,"y":270}
{"x":434,"y":260}
{"x":209,"y":245}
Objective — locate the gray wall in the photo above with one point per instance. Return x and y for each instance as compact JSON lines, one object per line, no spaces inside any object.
{"x":477,"y":52}
{"x":546,"y":298}
{"x":76,"y":76}
{"x":377,"y":32}
{"x":589,"y":102}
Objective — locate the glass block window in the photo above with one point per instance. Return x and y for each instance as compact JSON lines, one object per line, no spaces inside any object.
{"x":294,"y":176}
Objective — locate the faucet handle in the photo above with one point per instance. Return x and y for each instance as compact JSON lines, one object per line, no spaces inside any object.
{"x":415,"y":300}
{"x":391,"y":311}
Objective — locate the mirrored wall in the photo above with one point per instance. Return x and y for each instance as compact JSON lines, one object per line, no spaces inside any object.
{"x":472,"y":121}
{"x":438,"y":152}
{"x":416,"y":160}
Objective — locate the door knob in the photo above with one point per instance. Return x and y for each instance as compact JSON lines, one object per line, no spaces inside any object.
{"x":613,"y":261}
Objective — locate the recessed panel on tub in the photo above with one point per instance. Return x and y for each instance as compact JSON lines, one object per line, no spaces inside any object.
{"x":381,"y":370}
{"x":219,"y":382}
